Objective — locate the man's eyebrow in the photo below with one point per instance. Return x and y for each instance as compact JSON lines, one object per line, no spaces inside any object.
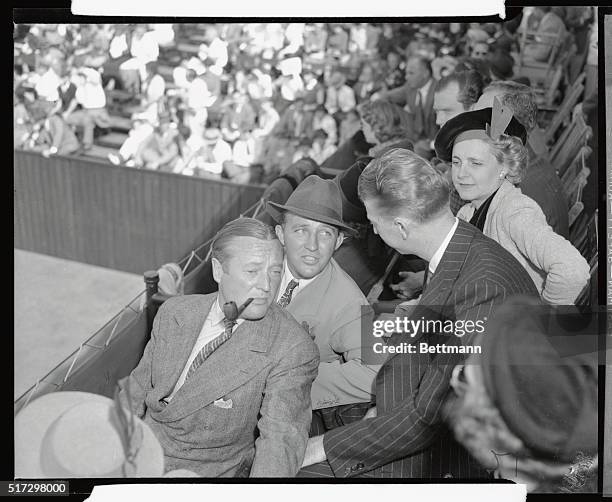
{"x":253,"y":262}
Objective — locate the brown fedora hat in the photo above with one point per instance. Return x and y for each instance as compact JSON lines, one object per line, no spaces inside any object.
{"x":314,"y":199}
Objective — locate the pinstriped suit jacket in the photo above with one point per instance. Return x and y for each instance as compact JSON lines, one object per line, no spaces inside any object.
{"x":408,"y":438}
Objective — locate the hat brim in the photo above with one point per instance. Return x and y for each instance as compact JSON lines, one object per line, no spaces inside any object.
{"x":467,"y":121}
{"x":275,"y":210}
{"x":34,"y":421}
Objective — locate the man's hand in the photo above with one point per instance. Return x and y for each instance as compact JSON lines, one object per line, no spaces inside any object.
{"x":410,"y":285}
{"x":315,"y":452}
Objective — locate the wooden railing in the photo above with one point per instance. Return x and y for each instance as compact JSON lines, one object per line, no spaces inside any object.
{"x":117,"y":217}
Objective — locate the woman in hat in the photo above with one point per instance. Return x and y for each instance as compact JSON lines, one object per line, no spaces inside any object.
{"x":486,"y":149}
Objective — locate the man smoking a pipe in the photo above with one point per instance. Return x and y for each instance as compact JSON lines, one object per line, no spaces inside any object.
{"x":225,"y":390}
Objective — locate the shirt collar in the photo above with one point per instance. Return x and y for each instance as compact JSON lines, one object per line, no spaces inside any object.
{"x":288,"y":277}
{"x":437,"y":256}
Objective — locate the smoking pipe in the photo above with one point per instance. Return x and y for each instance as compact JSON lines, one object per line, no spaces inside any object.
{"x":232,"y":312}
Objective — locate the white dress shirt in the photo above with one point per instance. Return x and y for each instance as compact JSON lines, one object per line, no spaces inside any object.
{"x":437,"y":256}
{"x":424,"y":90}
{"x":213,"y":327}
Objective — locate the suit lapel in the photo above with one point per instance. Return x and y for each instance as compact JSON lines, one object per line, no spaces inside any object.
{"x":174,"y":357}
{"x":305,"y":303}
{"x":232,"y":365}
{"x":433,"y":303}
{"x":448,"y":269}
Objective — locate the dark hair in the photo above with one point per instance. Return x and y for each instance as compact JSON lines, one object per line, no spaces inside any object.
{"x":479,"y":65}
{"x":425,"y":63}
{"x":470,"y":86}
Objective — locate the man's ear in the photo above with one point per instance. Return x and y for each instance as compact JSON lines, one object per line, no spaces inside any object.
{"x":217,"y":270}
{"x":279,"y":233}
{"x":402,"y":226}
{"x":339,"y":240}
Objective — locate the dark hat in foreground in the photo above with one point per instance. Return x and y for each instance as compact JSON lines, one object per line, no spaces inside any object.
{"x":471,"y":125}
{"x":539,"y":365}
{"x":314,"y":199}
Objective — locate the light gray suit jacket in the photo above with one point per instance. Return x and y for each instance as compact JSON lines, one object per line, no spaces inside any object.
{"x":262,"y":374}
{"x":333,"y":306}
{"x":517,"y":222}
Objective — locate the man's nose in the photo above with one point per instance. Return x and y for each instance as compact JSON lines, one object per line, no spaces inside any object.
{"x":263,"y":281}
{"x":312,"y":243}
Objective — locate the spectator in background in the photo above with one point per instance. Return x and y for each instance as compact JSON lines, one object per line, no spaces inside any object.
{"x":143,"y":49}
{"x":137,"y":135}
{"x":153,"y":90}
{"x":349,"y":126}
{"x":367,"y":84}
{"x":266,"y":120}
{"x":290,"y":82}
{"x":386,"y":126}
{"x":393,"y":73}
{"x":160,"y":150}
{"x":294,"y":34}
{"x":551,"y":23}
{"x":417,"y":96}
{"x":209,"y":159}
{"x":455,"y":94}
{"x":501,"y":64}
{"x":164,"y":34}
{"x":302,"y":150}
{"x":315,"y":40}
{"x":337,"y":43}
{"x":314,"y":91}
{"x":479,"y":50}
{"x":322,"y":120}
{"x":214,"y":49}
{"x":90,"y":96}
{"x":340,"y":98}
{"x":54,"y":136}
{"x":321,"y":147}
{"x":239,"y":118}
{"x":22,"y":122}
{"x":358,"y":38}
{"x":197,"y":100}
{"x":46,"y":86}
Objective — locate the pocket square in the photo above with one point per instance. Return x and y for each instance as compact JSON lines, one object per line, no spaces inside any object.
{"x":222,"y":403}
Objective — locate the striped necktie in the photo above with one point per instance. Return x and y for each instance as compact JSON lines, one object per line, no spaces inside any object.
{"x":211,"y":346}
{"x":286,"y":298}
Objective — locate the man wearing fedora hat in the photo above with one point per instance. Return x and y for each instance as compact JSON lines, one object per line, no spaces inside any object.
{"x":406,"y":200}
{"x":226,"y":389}
{"x":324,"y":298}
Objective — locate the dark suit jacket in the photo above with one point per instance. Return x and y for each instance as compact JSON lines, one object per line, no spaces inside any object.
{"x":263,"y":373}
{"x":406,"y":96}
{"x":408,"y":438}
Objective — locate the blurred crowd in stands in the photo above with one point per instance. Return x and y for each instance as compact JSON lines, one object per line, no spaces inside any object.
{"x":245,"y":101}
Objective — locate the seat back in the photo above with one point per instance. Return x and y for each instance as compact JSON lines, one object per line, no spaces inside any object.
{"x":563,"y":153}
{"x":564,"y":112}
